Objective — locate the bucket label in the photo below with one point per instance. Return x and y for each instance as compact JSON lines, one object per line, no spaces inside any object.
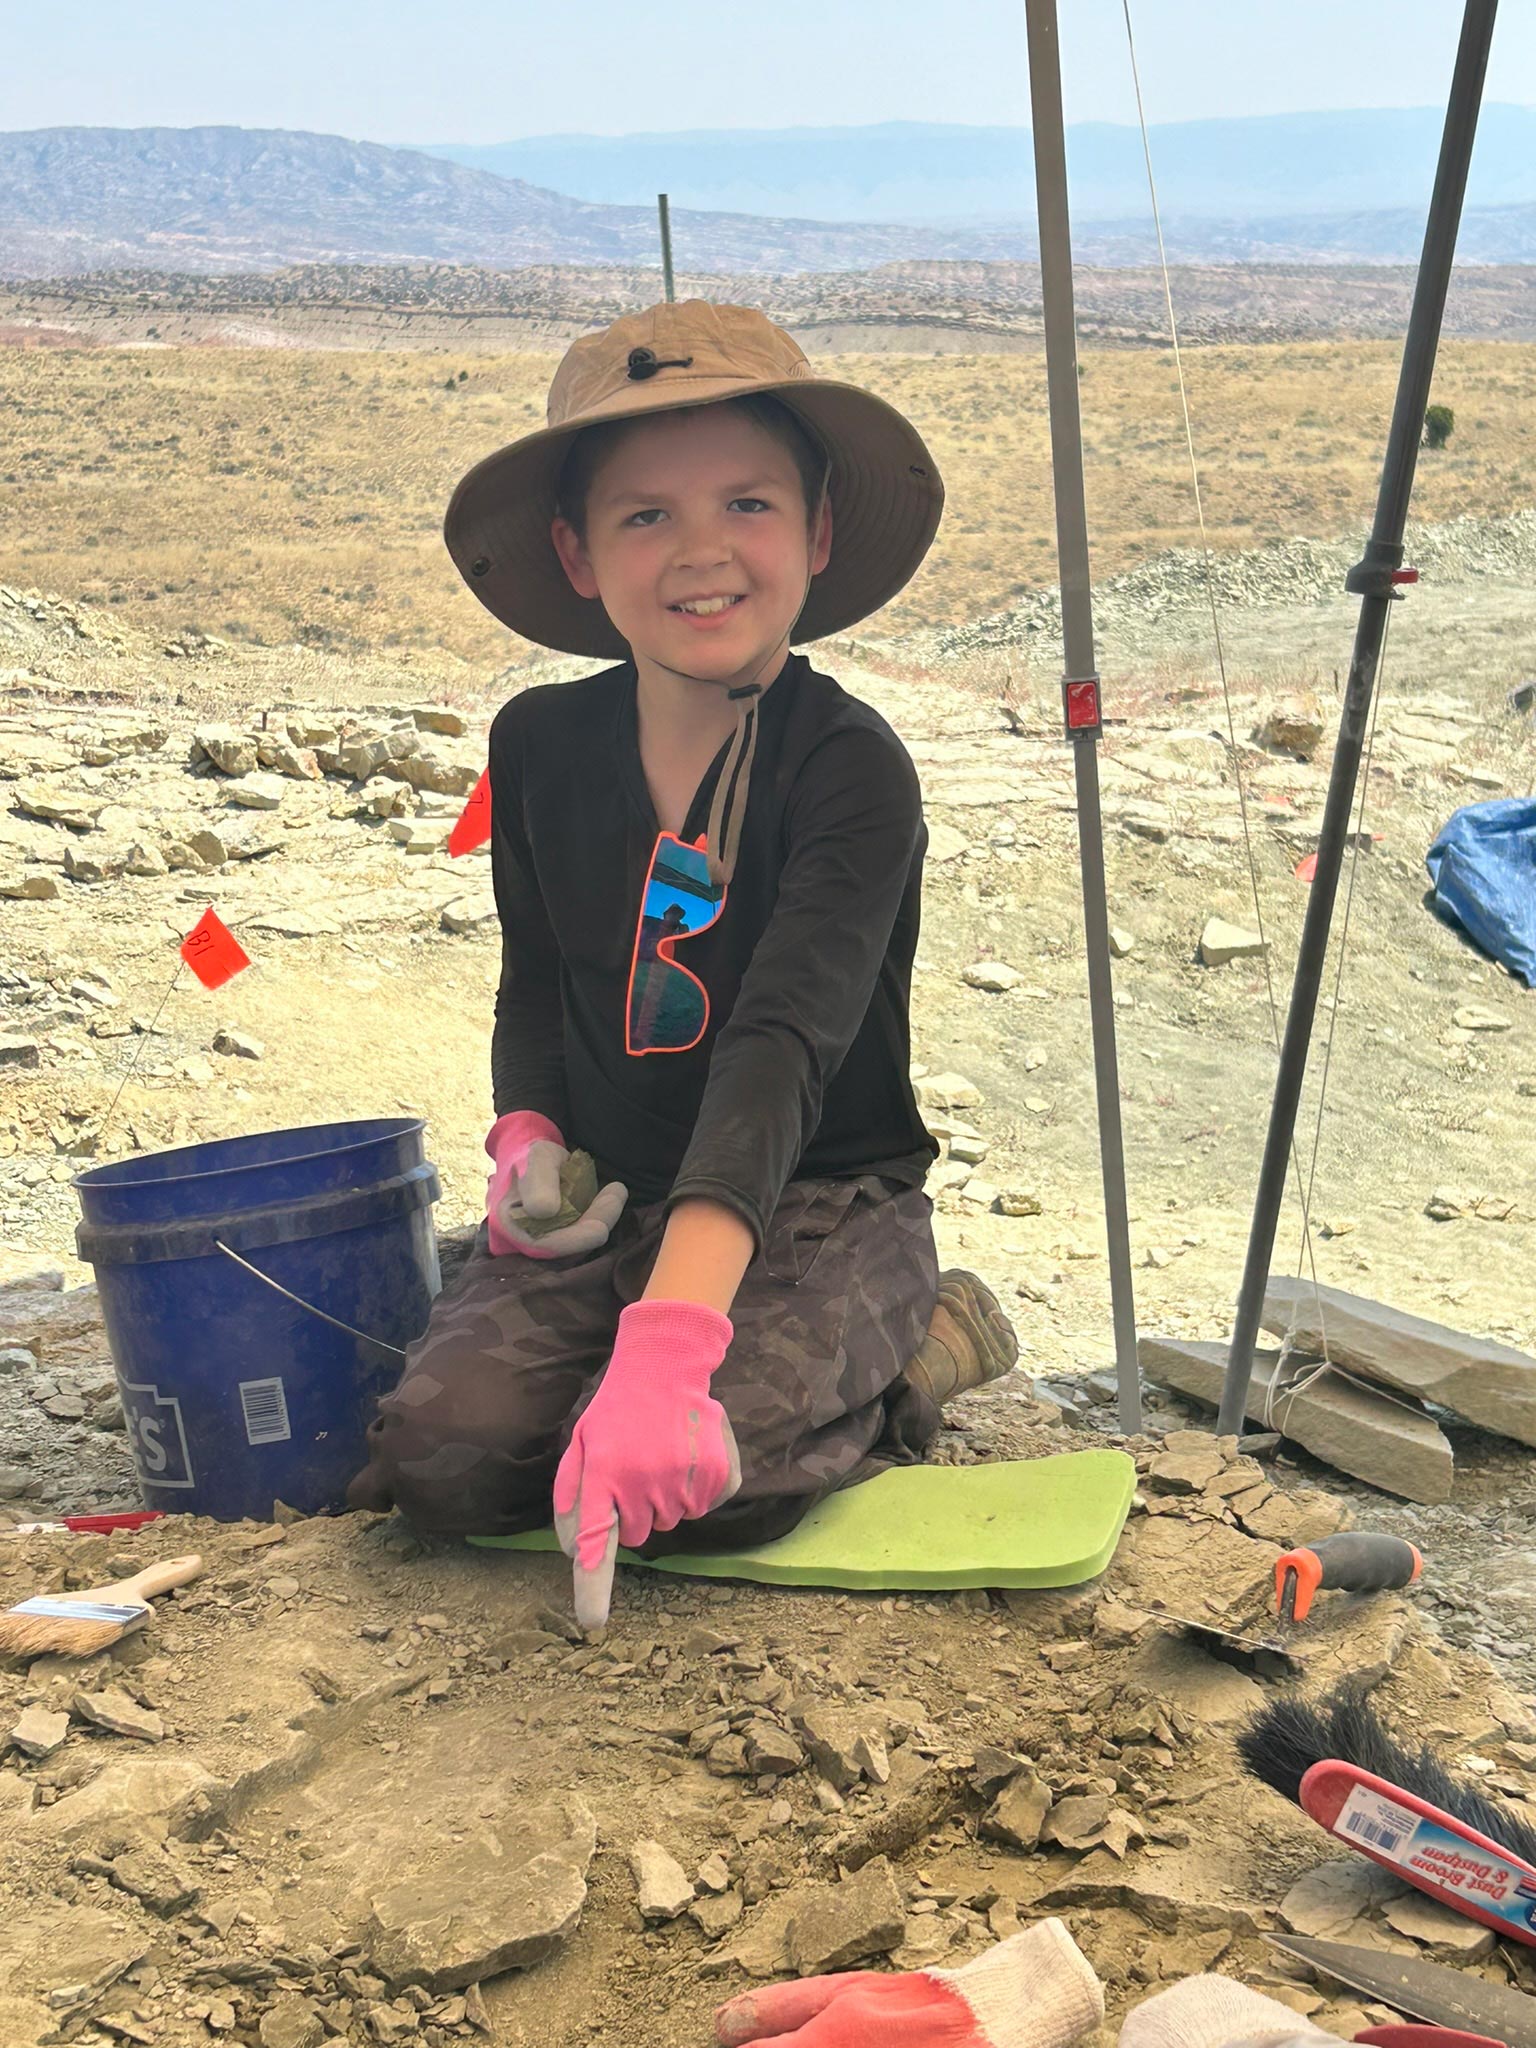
{"x":265,"y":1407}
{"x":157,"y":1435}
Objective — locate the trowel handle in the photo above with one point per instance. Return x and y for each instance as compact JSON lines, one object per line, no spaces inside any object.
{"x":1351,"y":1564}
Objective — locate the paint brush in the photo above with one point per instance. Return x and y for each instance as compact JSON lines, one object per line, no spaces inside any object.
{"x":80,"y":1624}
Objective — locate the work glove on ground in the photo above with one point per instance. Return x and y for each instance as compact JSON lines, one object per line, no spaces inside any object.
{"x":651,"y":1449}
{"x":527,"y":1152}
{"x":1216,"y":2012}
{"x":1034,"y":1990}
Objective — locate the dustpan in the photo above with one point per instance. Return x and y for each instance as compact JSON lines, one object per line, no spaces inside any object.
{"x":931,"y":1528}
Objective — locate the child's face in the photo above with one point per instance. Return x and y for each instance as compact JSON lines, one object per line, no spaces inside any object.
{"x":697,"y":503}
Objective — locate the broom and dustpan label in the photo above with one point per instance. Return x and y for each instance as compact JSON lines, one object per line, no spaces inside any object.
{"x":1449,"y":1861}
{"x":159,"y":1437}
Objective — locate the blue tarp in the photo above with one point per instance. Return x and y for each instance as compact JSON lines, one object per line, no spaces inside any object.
{"x":1483,"y":867}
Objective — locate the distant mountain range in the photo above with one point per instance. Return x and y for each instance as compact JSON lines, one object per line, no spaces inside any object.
{"x":937,"y":174}
{"x":220,"y":200}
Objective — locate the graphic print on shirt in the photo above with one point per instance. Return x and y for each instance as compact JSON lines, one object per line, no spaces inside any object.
{"x":668,"y":1008}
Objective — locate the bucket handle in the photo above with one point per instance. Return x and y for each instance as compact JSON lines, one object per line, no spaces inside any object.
{"x":335,"y":1321}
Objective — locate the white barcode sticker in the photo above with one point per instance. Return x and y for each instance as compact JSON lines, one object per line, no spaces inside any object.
{"x":265,"y":1407}
{"x":1381,"y":1824}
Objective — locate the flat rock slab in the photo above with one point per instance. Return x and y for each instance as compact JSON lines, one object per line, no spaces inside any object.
{"x":1490,"y":1384}
{"x":1368,"y":1435}
{"x":1333,"y":1901}
{"x":838,"y":1926}
{"x":490,"y":1909}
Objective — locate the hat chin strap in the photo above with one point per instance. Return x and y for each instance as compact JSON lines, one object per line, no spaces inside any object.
{"x":736,"y":770}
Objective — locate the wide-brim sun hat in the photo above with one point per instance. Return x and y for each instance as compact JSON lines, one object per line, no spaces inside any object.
{"x":884,"y":486}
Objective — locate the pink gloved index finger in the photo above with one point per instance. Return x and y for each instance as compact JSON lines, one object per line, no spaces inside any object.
{"x":778,"y":2010}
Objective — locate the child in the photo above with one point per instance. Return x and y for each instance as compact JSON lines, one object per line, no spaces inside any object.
{"x":708,"y":863}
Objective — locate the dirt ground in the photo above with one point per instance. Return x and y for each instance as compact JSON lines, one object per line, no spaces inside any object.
{"x":345,"y":1710}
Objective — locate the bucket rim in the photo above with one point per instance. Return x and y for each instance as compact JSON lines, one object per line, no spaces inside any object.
{"x":379,"y":1129}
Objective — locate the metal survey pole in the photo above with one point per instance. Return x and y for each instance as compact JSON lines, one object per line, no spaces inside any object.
{"x":1374,"y":579}
{"x":1080,"y":682}
{"x":666,"y":244}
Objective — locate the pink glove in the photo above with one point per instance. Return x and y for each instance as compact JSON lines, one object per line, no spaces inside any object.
{"x":651,"y":1449}
{"x":1034,"y":1990}
{"x":527,"y":1153}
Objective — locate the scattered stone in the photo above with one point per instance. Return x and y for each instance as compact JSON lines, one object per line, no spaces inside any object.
{"x":258,"y":792}
{"x":1121,"y":942}
{"x":842,"y":1742}
{"x":1371,"y":1436}
{"x":470,"y":913}
{"x":35,"y":887}
{"x":231,"y":752}
{"x":1490,"y":1384}
{"x":114,"y":1710}
{"x":156,"y":1879}
{"x":1076,"y":1822}
{"x":1289,"y":1519}
{"x":238,"y":1044}
{"x":291,"y":2021}
{"x":836,"y":1926}
{"x":1294,"y":724}
{"x":1221,"y":942}
{"x":277,"y":750}
{"x":772,"y":1750}
{"x":1019,"y":1202}
{"x":714,"y":1873}
{"x":439,"y":718}
{"x":38,"y":1731}
{"x":20,"y":1052}
{"x":947,"y":1091}
{"x":1330,"y":1902}
{"x":660,"y":1881}
{"x":1019,"y":1812}
{"x":1449,"y":1936}
{"x":418,"y":835}
{"x":485,"y":1912}
{"x":1473,"y":1017}
{"x":994,"y":976}
{"x":716,"y":1914}
{"x":1179,"y":1471}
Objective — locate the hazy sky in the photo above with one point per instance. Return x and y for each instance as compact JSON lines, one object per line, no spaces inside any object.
{"x":404,"y":71}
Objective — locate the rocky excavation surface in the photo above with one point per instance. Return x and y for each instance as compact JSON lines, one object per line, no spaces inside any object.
{"x":355,"y":1787}
{"x":352,"y":1786}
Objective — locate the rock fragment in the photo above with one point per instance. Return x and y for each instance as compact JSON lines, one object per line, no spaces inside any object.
{"x":114,"y":1710}
{"x":1371,"y":1436}
{"x":661,"y":1884}
{"x":1221,"y":942}
{"x":38,"y":1732}
{"x":837,"y":1926}
{"x":486,"y":1912}
{"x":1019,"y":1812}
{"x":1489,"y":1383}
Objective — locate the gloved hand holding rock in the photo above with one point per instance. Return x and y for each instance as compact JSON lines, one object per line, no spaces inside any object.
{"x":541,"y":1199}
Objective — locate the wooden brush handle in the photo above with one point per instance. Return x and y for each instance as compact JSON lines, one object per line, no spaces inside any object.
{"x":155,"y":1578}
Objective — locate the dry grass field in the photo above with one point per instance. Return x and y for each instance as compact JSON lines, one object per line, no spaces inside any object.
{"x":279,"y":495}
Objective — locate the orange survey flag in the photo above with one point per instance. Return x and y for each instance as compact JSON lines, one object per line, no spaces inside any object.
{"x":474,"y":826}
{"x":212,"y":951}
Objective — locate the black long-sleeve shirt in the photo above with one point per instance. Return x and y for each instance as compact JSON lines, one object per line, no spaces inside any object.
{"x":802,"y":1070}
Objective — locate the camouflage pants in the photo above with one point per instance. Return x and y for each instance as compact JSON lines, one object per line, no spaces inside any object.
{"x":825,"y":1320}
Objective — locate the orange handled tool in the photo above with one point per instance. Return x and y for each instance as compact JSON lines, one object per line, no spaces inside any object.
{"x":1350,"y":1564}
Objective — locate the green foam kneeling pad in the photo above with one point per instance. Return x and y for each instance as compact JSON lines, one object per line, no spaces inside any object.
{"x":931,"y":1528}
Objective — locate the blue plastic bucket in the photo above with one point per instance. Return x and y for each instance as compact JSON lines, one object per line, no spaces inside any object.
{"x":234,"y":1395}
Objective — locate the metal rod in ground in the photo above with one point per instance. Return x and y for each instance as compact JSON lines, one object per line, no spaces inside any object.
{"x":666,"y":245}
{"x":144,"y":1038}
{"x":1080,"y":685}
{"x":1372,"y":578}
